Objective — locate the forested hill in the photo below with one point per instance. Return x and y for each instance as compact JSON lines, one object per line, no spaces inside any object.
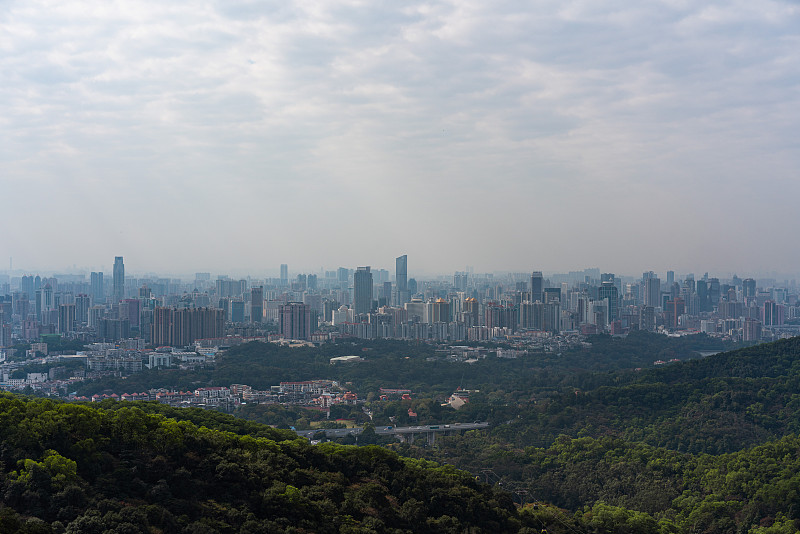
{"x":82,"y":469}
{"x":722,"y":403}
{"x":768,"y":360}
{"x":702,"y":446}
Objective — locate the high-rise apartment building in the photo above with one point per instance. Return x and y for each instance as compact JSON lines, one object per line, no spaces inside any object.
{"x":5,"y":335}
{"x":82,"y":304}
{"x":552,"y":294}
{"x":440,"y":311}
{"x":179,"y":327}
{"x":118,"y":279}
{"x":295,"y":321}
{"x":647,"y":319}
{"x":751,"y":330}
{"x":362,"y":290}
{"x":230,"y":288}
{"x":237,"y":311}
{"x":673,"y":311}
{"x":66,"y":318}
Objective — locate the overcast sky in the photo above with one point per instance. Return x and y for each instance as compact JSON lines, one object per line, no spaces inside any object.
{"x":234,"y":136}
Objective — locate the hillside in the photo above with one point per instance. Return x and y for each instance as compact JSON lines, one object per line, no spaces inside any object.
{"x":708,"y":445}
{"x":82,"y":469}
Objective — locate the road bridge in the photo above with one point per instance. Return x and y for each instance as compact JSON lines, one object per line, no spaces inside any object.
{"x":403,"y":433}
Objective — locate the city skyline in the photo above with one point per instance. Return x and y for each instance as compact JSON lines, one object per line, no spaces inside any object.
{"x":367,"y":303}
{"x":276,"y":273}
{"x":503,"y":136}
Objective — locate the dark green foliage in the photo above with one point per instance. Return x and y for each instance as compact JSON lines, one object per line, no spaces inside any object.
{"x":705,"y":446}
{"x":118,"y":468}
{"x":394,"y":364}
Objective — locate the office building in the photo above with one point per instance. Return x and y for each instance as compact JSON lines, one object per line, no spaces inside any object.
{"x":118,"y":291}
{"x":237,"y":310}
{"x":362,"y":290}
{"x":257,"y":304}
{"x":284,"y":274}
{"x":401,"y":280}
{"x":652,"y":292}
{"x":537,"y":286}
{"x":748,"y":288}
{"x":609,"y":291}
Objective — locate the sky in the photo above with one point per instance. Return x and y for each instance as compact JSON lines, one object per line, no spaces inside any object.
{"x":236,"y":135}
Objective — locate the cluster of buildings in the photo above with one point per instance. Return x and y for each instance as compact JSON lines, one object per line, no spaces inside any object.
{"x":537,"y":310}
{"x":374,"y":303}
{"x":320,"y":394}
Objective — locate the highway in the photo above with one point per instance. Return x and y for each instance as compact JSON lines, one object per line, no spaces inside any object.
{"x":395,"y":430}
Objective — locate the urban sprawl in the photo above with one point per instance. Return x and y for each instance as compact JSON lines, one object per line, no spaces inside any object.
{"x":129,"y":324}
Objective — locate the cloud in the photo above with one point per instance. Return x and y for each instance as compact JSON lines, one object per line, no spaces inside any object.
{"x":454,"y":124}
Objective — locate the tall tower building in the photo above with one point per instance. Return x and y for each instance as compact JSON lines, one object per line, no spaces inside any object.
{"x":362,"y":290}
{"x":66,"y":318}
{"x":98,"y":292}
{"x":652,"y":292}
{"x":26,"y":285}
{"x":748,"y":287}
{"x":82,"y":304}
{"x":537,"y":286}
{"x":119,"y":279}
{"x":257,"y":304}
{"x":295,"y":321}
{"x":284,"y":274}
{"x":401,"y":279}
{"x":608,"y":291}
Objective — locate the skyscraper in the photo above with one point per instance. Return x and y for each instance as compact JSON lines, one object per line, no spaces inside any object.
{"x":652,"y":292}
{"x":401,"y":279}
{"x":537,"y":286}
{"x":119,"y":279}
{"x":82,"y":303}
{"x":66,"y":318}
{"x":295,"y":320}
{"x":748,"y":287}
{"x":284,"y":274}
{"x":362,"y":290}
{"x":182,"y":326}
{"x":257,"y":304}
{"x":98,"y":293}
{"x":608,"y":291}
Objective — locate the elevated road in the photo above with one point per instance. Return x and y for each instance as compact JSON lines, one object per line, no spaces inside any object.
{"x":405,"y":433}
